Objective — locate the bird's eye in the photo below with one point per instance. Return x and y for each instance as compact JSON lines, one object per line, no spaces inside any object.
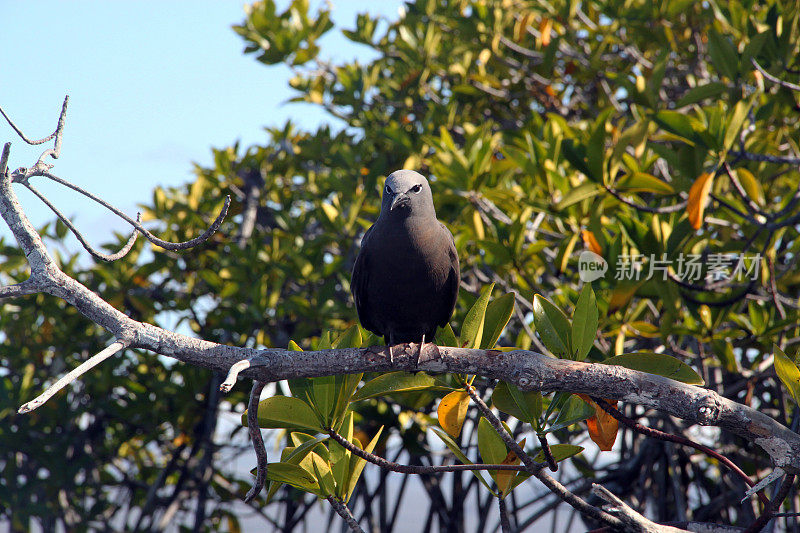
{"x":416,"y":188}
{"x":387,"y":190}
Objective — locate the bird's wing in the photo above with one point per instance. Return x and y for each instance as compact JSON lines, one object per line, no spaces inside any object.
{"x":358,"y":284}
{"x":453,"y":278}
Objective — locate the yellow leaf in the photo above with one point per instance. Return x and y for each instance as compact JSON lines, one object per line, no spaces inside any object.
{"x":602,"y":426}
{"x":503,"y":478}
{"x":590,"y":242}
{"x":330,"y":211}
{"x":477,"y":222}
{"x":698,"y":198}
{"x":452,"y":411}
{"x":751,"y":185}
{"x":544,"y":27}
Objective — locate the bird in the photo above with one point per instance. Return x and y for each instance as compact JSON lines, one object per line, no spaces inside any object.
{"x":406,"y":276}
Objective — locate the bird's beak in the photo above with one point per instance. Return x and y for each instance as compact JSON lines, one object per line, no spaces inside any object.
{"x":399,"y":199}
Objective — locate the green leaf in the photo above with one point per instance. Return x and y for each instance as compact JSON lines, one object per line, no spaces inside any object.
{"x":552,"y":325}
{"x":451,"y":444}
{"x":560,"y":452}
{"x":323,"y":397}
{"x":787,"y":372}
{"x":525,"y":406}
{"x":657,"y":363}
{"x":641,"y":181}
{"x":322,"y":471}
{"x":490,"y":444}
{"x":498,"y":313}
{"x":446,"y":336}
{"x":293,"y":475}
{"x":357,"y":463}
{"x":584,"y":323}
{"x":735,"y":124}
{"x":472,"y":328}
{"x":340,"y":457}
{"x":395,"y":382}
{"x":573,"y":411}
{"x":285,"y":412}
{"x":723,"y":54}
{"x":578,"y":194}
{"x":295,"y":455}
{"x":701,"y":92}
{"x":677,"y":123}
{"x":351,"y":338}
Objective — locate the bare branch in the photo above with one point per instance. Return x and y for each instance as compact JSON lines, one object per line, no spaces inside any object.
{"x":416,"y":469}
{"x":32,"y":142}
{"x":645,"y":208}
{"x":765,"y":158}
{"x":233,"y":375}
{"x":21,"y":178}
{"x":344,"y":512}
{"x":534,"y":469}
{"x":775,"y":505}
{"x":23,"y":288}
{"x":632,"y":521}
{"x":96,"y":254}
{"x":678,"y":439}
{"x":258,"y":441}
{"x":84,"y":367}
{"x":773,"y":79}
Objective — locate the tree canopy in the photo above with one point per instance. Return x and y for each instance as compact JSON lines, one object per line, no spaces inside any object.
{"x":660,"y":136}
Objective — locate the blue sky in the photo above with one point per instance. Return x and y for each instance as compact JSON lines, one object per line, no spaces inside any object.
{"x":152,"y":85}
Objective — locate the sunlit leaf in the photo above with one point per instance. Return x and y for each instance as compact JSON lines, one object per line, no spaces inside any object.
{"x":452,"y":411}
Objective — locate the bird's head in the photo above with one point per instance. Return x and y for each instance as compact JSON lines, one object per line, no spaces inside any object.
{"x":407,"y":193}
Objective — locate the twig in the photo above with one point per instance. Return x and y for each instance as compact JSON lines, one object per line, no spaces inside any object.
{"x":21,"y":178}
{"x":505,"y":525}
{"x":414,"y":469}
{"x":233,"y":375}
{"x":345,"y":513}
{"x":84,"y":367}
{"x":678,"y":439}
{"x":97,"y":255}
{"x":548,"y":453}
{"x":739,"y":189}
{"x":773,"y":79}
{"x":765,"y":158}
{"x":773,"y":506}
{"x":535,"y":469}
{"x":258,"y":441}
{"x":22,"y":288}
{"x":40,"y":141}
{"x":633,"y":520}
{"x":645,"y":208}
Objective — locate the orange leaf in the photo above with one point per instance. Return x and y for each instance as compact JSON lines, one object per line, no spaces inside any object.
{"x":620,"y":296}
{"x":602,"y":426}
{"x":698,"y":198}
{"x":590,"y":242}
{"x":503,"y":478}
{"x":452,"y":411}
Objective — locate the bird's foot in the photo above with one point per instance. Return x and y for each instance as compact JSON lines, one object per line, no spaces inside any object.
{"x":427,"y":352}
{"x":391,"y":355}
{"x":419,"y":352}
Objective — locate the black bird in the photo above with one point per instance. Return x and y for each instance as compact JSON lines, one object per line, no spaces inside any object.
{"x":406,"y":276}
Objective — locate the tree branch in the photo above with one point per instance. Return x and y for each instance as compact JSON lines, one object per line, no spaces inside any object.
{"x":258,"y":441}
{"x":415,"y":469}
{"x":344,"y":512}
{"x":84,"y":367}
